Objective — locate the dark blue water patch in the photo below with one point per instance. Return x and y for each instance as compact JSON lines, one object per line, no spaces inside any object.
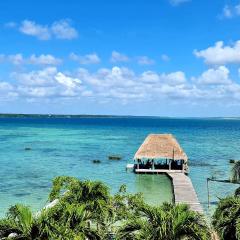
{"x":4,"y":190}
{"x":48,"y":150}
{"x":133,"y":122}
{"x":27,"y":175}
{"x":43,"y":186}
{"x":21,"y":194}
{"x":201,"y":164}
{"x":6,"y":186}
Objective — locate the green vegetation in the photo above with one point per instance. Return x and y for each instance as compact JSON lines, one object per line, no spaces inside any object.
{"x":226,"y":219}
{"x":87,"y":210}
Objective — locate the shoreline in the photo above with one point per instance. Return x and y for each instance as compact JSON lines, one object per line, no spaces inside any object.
{"x":76,"y":116}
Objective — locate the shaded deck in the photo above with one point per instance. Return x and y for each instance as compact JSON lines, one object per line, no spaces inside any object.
{"x":156,"y":171}
{"x":184,"y":191}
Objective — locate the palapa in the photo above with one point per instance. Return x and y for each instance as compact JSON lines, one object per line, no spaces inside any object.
{"x":161,"y":146}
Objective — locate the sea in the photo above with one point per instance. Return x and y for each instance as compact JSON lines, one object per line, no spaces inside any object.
{"x":34,"y":150}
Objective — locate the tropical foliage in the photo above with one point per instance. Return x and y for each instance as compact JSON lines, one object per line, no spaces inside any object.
{"x":236,"y":172}
{"x":167,"y":222}
{"x":226,"y":219}
{"x":82,"y":210}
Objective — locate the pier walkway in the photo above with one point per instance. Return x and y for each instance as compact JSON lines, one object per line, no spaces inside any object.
{"x":184,"y":191}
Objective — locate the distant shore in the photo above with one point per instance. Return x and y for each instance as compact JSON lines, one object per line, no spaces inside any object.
{"x":23,"y":115}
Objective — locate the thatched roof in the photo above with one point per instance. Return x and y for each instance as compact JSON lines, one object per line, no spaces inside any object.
{"x":157,"y":146}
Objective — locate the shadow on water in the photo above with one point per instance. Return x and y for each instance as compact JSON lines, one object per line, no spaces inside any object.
{"x":156,"y":189}
{"x":22,"y":194}
{"x":200,"y":164}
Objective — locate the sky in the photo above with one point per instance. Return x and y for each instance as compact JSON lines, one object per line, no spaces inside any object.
{"x":176,"y":58}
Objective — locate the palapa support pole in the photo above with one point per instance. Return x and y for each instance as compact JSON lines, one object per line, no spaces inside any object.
{"x":170,"y":161}
{"x":208,"y":192}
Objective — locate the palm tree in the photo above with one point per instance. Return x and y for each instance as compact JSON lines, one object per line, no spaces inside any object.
{"x":226,"y":219}
{"x":68,"y":221}
{"x":19,"y":222}
{"x":236,"y":172}
{"x":234,"y":179}
{"x":167,"y":222}
{"x":93,"y":194}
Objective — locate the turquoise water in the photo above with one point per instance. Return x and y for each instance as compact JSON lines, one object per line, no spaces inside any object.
{"x":67,"y":146}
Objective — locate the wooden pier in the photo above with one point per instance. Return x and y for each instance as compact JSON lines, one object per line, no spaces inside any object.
{"x":161,"y":153}
{"x":184,"y":191}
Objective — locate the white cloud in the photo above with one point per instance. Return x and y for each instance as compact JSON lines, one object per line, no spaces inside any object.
{"x":124,"y":85}
{"x":144,"y":60}
{"x":219,"y":76}
{"x":63,"y":30}
{"x":150,"y":77}
{"x":18,"y":59}
{"x":227,"y":12}
{"x":230,"y":11}
{"x":165,"y":58}
{"x":119,"y":57}
{"x":220,"y":54}
{"x":91,"y":58}
{"x":5,"y":86}
{"x":7,"y":91}
{"x":60,"y":29}
{"x":69,"y":82}
{"x":43,"y":59}
{"x":44,"y":77}
{"x":175,"y":78}
{"x":33,"y":29}
{"x":47,"y":83}
{"x":178,"y":2}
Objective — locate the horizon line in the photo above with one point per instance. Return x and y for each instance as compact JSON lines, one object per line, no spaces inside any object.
{"x":49,"y":115}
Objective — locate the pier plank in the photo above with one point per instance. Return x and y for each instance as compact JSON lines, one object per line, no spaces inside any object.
{"x":184,"y":191}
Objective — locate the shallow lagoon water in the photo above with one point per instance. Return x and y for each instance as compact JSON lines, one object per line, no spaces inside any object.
{"x":67,"y":146}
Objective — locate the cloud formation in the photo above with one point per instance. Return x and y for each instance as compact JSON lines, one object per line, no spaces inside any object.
{"x":119,"y":57}
{"x":123,"y":84}
{"x":46,"y":83}
{"x":178,"y":2}
{"x":165,"y":58}
{"x":91,"y":58}
{"x":219,"y":76}
{"x":220,"y":54}
{"x":19,"y":59}
{"x":230,"y":11}
{"x":61,"y":29}
{"x":144,"y":60}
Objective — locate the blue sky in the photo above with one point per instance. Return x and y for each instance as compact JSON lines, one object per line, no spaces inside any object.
{"x":157,"y":57}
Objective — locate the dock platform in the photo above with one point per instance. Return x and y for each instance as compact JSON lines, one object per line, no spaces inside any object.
{"x":156,"y":171}
{"x":184,"y":191}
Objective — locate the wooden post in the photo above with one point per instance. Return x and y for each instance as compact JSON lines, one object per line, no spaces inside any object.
{"x":208,"y":193}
